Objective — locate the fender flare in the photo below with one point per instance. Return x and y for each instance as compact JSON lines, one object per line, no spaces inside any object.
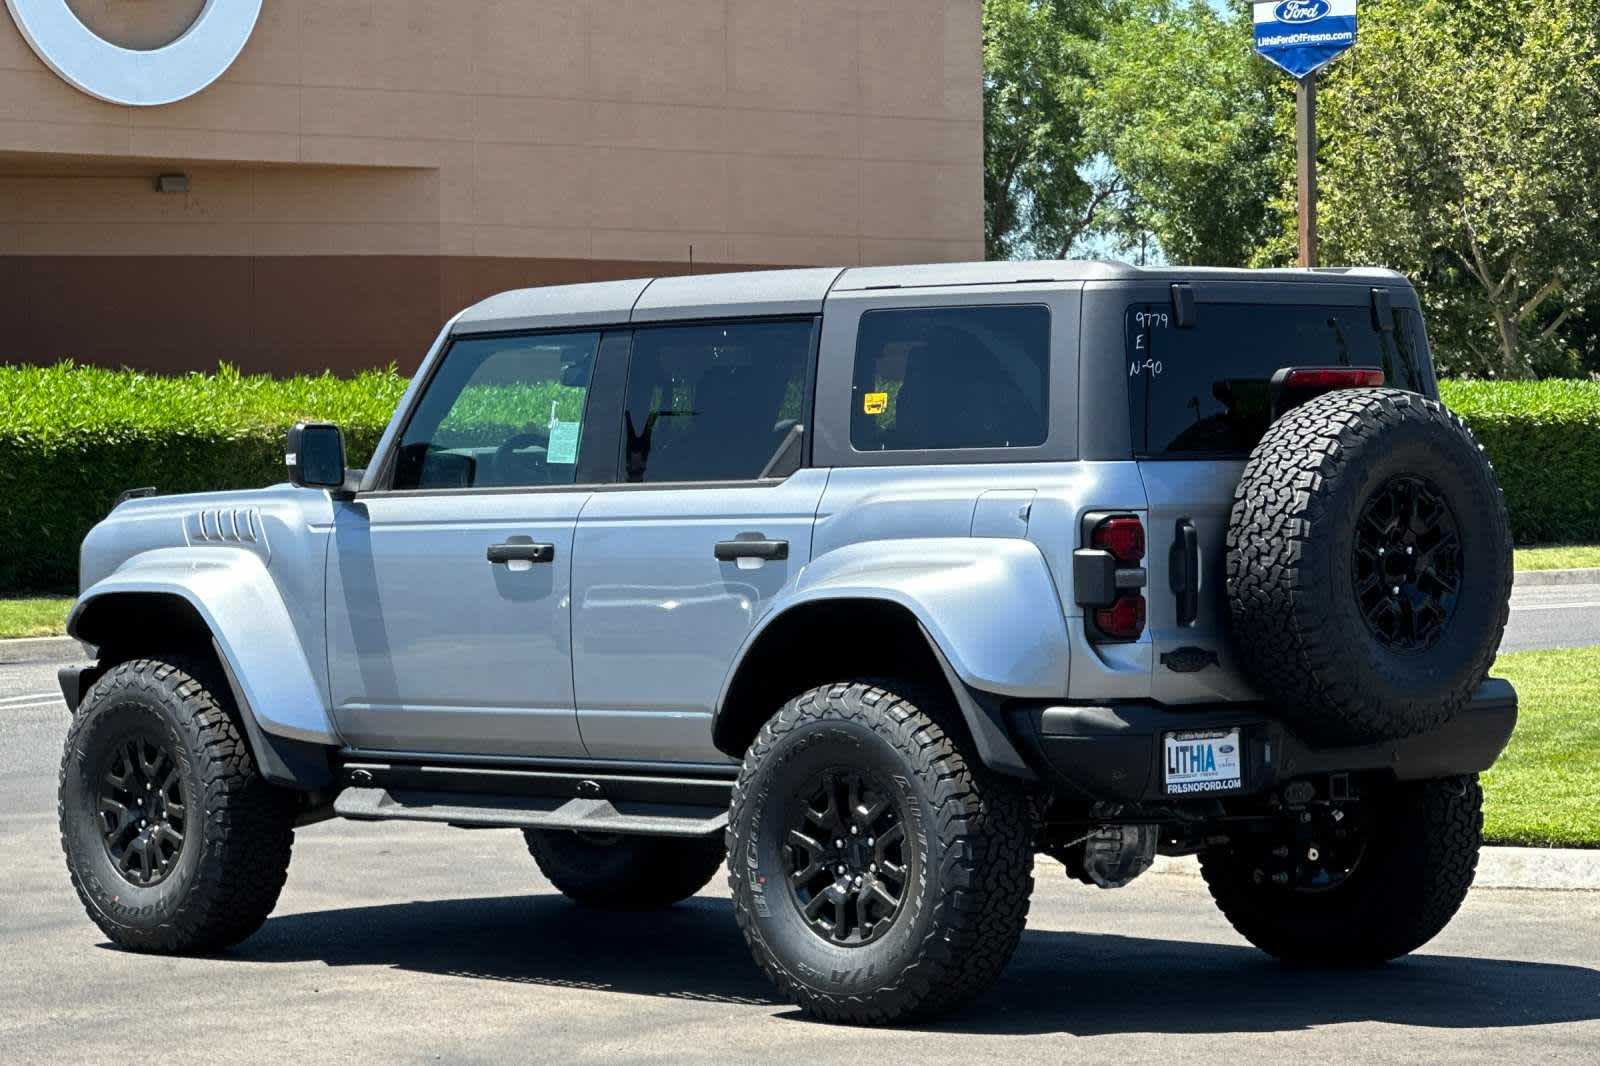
{"x":255,"y":642}
{"x":988,"y":608}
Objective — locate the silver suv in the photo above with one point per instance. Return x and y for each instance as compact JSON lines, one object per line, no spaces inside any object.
{"x":871,"y":583}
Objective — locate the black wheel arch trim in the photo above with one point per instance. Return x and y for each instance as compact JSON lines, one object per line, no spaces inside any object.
{"x":982,"y":712}
{"x":295,"y":764}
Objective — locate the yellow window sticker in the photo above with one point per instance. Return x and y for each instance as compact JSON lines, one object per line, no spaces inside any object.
{"x":875,"y":403}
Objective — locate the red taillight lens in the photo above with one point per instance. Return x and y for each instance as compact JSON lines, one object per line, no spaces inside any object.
{"x":1333,"y":377}
{"x":1122,"y":536}
{"x":1123,"y":620}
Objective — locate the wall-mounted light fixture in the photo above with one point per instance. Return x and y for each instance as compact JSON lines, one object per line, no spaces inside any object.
{"x":172,"y":183}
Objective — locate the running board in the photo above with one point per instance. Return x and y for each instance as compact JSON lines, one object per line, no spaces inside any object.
{"x":484,"y":811}
{"x":593,"y":799}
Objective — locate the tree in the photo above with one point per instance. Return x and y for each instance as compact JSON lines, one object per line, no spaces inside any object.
{"x":1186,"y":116}
{"x":1037,"y":199}
{"x":1460,"y":143}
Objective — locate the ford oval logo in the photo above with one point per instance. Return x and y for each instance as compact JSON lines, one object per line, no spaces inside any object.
{"x":1225,"y":749}
{"x":1301,"y":11}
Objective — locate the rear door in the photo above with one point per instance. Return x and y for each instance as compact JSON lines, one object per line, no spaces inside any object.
{"x":1198,"y":403}
{"x":673,"y":567}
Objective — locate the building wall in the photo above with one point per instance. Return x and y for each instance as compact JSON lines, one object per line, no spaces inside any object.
{"x":367,"y":167}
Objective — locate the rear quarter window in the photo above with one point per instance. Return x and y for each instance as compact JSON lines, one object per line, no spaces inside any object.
{"x":1203,"y":390}
{"x":940,"y":378}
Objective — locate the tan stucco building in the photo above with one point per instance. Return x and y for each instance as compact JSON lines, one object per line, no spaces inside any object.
{"x":364,"y":168}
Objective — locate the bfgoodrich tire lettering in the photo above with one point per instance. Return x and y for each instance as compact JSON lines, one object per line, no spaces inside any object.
{"x":969,"y":857}
{"x":1296,"y":548}
{"x":238,"y":830}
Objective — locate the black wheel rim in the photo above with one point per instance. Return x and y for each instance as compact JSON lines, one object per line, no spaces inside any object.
{"x":847,"y":862}
{"x":142,"y":808}
{"x":1407,"y":564}
{"x":1321,"y":856}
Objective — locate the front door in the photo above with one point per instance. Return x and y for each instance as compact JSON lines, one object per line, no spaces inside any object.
{"x":673,"y":568}
{"x":449,"y":591}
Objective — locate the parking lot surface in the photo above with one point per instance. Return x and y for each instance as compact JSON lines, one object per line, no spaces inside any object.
{"x":397,"y":943}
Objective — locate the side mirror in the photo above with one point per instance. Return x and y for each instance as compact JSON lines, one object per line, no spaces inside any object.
{"x":315,"y":455}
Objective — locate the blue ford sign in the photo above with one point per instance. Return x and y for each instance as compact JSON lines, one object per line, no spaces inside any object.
{"x":1301,"y":36}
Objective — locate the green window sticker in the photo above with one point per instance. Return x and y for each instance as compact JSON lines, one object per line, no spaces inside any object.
{"x":563,"y":447}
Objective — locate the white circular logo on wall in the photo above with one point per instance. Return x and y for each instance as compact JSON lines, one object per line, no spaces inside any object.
{"x":162,"y":75}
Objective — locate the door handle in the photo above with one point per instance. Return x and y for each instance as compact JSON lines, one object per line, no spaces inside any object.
{"x":754,"y":548}
{"x":1183,"y":571}
{"x":522,"y":552}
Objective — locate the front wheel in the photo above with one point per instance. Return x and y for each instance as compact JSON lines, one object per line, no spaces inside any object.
{"x":1361,"y":893}
{"x":877,"y":873}
{"x":174,"y":841}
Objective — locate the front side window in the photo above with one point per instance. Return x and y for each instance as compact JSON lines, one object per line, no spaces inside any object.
{"x":1205,"y":390}
{"x":714,"y":402}
{"x":951,"y":377}
{"x":501,"y":412}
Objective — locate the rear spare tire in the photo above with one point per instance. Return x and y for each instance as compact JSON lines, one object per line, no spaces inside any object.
{"x":1369,"y":566}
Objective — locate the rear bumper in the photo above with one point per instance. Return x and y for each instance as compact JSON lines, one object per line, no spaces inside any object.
{"x":1115,"y":752}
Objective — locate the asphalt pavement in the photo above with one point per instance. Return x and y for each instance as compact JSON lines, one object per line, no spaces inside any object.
{"x":1553,"y":616}
{"x":401,"y":943}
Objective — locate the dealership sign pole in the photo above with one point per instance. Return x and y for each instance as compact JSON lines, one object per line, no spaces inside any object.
{"x":1302,"y":37}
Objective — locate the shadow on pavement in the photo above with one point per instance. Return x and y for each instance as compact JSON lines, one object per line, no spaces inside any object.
{"x":1079,"y":983}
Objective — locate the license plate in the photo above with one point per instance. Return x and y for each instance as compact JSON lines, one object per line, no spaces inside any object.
{"x":1206,"y":761}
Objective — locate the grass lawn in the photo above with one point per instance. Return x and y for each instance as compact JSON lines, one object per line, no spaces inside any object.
{"x":40,"y":616}
{"x":1560,"y":557}
{"x":1545,"y":790}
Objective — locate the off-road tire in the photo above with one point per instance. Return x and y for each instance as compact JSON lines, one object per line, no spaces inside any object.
{"x":1411,"y":881}
{"x":239,"y":832}
{"x":1299,"y":629}
{"x":624,"y":872}
{"x":975,"y":831}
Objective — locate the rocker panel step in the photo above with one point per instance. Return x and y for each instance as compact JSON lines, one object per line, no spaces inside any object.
{"x":565,"y":783}
{"x":487,"y":810}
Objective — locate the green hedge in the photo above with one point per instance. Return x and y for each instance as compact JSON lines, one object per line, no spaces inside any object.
{"x":1544,"y":440}
{"x":72,"y":438}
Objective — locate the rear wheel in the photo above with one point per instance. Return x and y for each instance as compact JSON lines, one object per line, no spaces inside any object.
{"x":878,"y":874}
{"x":1381,"y":889}
{"x":622,"y":871}
{"x":174,"y":841}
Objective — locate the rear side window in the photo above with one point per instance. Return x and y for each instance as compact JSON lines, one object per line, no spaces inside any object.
{"x":714,"y":403}
{"x":1203,"y":390}
{"x":951,"y":377}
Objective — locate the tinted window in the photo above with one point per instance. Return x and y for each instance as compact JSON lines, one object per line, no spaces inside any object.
{"x":957,"y":377}
{"x":500,"y":411}
{"x":713,"y":403}
{"x":1203,"y":390}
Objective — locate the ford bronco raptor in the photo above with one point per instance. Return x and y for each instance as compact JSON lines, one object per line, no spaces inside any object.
{"x":872,"y":584}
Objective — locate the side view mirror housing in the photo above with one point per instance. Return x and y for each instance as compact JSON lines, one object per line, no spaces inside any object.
{"x":314,"y":455}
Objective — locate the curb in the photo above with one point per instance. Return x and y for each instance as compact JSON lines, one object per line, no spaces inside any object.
{"x":40,"y":650}
{"x":1546,"y":578}
{"x":1529,"y":869}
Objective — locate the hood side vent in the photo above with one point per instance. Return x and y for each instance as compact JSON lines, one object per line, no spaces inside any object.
{"x":241,"y":526}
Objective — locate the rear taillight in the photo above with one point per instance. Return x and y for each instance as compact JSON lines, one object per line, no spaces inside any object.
{"x":1109,"y":577}
{"x":1123,"y":620}
{"x":1122,"y":536}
